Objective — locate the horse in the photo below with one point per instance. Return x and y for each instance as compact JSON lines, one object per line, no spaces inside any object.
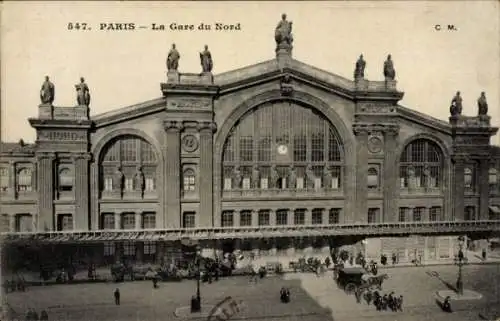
{"x":377,"y":280}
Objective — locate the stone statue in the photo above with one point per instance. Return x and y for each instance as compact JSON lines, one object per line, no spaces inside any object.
{"x":139,"y":179}
{"x":274,"y":177}
{"x":389,"y":72}
{"x":292,"y":178}
{"x":238,"y":178}
{"x":255,"y":176}
{"x":359,"y":71}
{"x":283,"y":32}
{"x":82,"y":93}
{"x":119,"y":179}
{"x":206,"y":60}
{"x":456,"y":105}
{"x":427,"y":176}
{"x":482,"y":105}
{"x":327,"y":178}
{"x":47,"y":93}
{"x":412,"y":181}
{"x":173,"y":59}
{"x":311,"y":178}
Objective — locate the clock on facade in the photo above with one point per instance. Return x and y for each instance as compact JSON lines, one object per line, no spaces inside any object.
{"x":189,"y":143}
{"x":282,"y":149}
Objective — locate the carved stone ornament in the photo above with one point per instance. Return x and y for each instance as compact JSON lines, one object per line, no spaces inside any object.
{"x":189,"y":103}
{"x":375,"y":145}
{"x":378,"y":109}
{"x":190,"y":143}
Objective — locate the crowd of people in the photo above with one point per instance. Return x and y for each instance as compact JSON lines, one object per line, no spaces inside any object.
{"x":382,"y":302}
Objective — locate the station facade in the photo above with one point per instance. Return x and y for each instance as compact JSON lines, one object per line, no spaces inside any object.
{"x":275,"y":157}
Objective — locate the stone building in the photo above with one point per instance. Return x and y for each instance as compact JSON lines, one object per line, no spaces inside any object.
{"x":277,"y":158}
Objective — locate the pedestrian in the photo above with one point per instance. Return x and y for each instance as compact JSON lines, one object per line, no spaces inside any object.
{"x":385,"y":300}
{"x":394,"y":259}
{"x":35,"y":315}
{"x":368,"y":297}
{"x":484,"y":254}
{"x":44,"y":316}
{"x":392,"y":301}
{"x":357,"y":293}
{"x":117,"y":296}
{"x":400,"y":303}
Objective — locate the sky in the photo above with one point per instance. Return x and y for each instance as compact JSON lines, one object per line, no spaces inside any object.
{"x":126,"y":67}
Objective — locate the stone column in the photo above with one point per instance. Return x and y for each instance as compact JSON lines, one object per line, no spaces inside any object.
{"x":82,"y":212}
{"x":409,"y":215}
{"x":484,"y":189}
{"x":236,"y":218}
{"x":426,"y":215}
{"x":458,"y":183}
{"x":12,"y":223}
{"x":255,"y":218}
{"x":206,"y":129}
{"x":138,"y":221}
{"x":46,"y":191}
{"x":361,"y":207}
{"x":172,"y":208}
{"x":290,"y":219}
{"x":117,"y":221}
{"x":326,"y":216}
{"x":390,"y":175}
{"x":307,"y":216}
{"x":273,"y":251}
{"x":95,"y":219}
{"x":272,"y":217}
{"x":12,"y":180}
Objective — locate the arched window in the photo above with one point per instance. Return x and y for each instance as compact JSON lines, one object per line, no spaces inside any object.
{"x":282,"y":146}
{"x":124,"y":160}
{"x":421,"y":165}
{"x":189,"y":181}
{"x":66,"y":180}
{"x":24,"y":180}
{"x":373,"y":183}
{"x":4,"y":179}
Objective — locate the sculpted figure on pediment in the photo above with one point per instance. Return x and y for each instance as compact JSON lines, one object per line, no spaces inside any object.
{"x":311,"y":178}
{"x":327,"y":177}
{"x":359,"y":71}
{"x":389,"y":71}
{"x":482,"y":105}
{"x":255,"y":176}
{"x":119,"y":179}
{"x":82,"y":93}
{"x":292,"y":177}
{"x":274,"y":177}
{"x":456,"y":105}
{"x":237,"y":177}
{"x":173,"y":59}
{"x":47,"y":92}
{"x":206,"y":60}
{"x":139,"y":179}
{"x":283,"y":32}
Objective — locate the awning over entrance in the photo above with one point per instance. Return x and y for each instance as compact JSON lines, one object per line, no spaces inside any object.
{"x":495,"y":209}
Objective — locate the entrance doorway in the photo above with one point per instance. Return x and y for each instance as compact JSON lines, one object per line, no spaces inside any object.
{"x":227,"y":246}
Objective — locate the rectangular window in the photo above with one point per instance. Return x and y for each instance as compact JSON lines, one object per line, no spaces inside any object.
{"x":418,"y":213}
{"x":24,"y":181}
{"x":403,"y":214}
{"x":149,"y":184}
{"x":281,"y":217}
{"x":128,"y":221}
{"x":317,"y":183}
{"x":4,"y":179}
{"x":24,"y":223}
{"x":300,"y":148}
{"x":149,"y":220}
{"x":334,"y":216}
{"x":5,"y":223}
{"x":227,"y":183}
{"x":246,"y":183}
{"x":65,"y":222}
{"x":108,"y":221}
{"x":317,"y":146}
{"x":263,"y":218}
{"x":299,"y":217}
{"x":108,"y":184}
{"x":188,"y":220}
{"x":299,"y":183}
{"x":470,"y":213}
{"x":373,"y":214}
{"x":189,"y":183}
{"x":109,"y":248}
{"x":317,"y":216}
{"x":129,"y":184}
{"x":264,"y":184}
{"x":129,"y":148}
{"x":264,"y":151}
{"x":435,"y":214}
{"x":245,"y":218}
{"x":65,"y":180}
{"x":149,"y":248}
{"x":335,"y":182}
{"x":128,"y":248}
{"x":227,"y":219}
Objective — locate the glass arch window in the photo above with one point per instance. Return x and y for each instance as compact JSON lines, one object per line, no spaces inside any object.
{"x":421,"y":165}
{"x":65,"y":180}
{"x":127,"y":154}
{"x":24,"y":180}
{"x":282,"y":145}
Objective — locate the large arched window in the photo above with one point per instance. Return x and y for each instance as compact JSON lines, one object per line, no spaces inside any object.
{"x":128,"y":164}
{"x":282,"y":146}
{"x":421,"y":165}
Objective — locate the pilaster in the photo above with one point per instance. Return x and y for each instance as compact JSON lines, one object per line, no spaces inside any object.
{"x":255,"y":218}
{"x":118,"y":222}
{"x":82,"y":218}
{"x":206,"y":129}
{"x":361,"y":207}
{"x":45,"y":191}
{"x":390,"y":176}
{"x":12,"y":223}
{"x":458,"y":183}
{"x":272,"y":217}
{"x":172,"y":208}
{"x":12,"y":180}
{"x":308,"y":217}
{"x":138,"y":221}
{"x":236,"y":218}
{"x":484,"y":189}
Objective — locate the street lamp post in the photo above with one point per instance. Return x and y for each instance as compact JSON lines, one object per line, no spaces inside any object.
{"x":460,"y":261}
{"x":198,"y":277}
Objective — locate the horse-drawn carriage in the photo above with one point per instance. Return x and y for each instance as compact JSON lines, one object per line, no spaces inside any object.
{"x":357,"y":279}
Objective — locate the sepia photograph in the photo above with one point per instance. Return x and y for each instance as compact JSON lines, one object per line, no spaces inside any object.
{"x":250,"y":160}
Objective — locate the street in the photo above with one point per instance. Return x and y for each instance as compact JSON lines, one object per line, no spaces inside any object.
{"x":312,"y":298}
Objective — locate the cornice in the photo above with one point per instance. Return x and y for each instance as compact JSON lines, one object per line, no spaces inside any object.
{"x":45,"y":155}
{"x":172,"y":126}
{"x":207,"y":126}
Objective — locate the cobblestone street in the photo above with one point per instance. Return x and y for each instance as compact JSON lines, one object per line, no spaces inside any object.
{"x":313,"y":298}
